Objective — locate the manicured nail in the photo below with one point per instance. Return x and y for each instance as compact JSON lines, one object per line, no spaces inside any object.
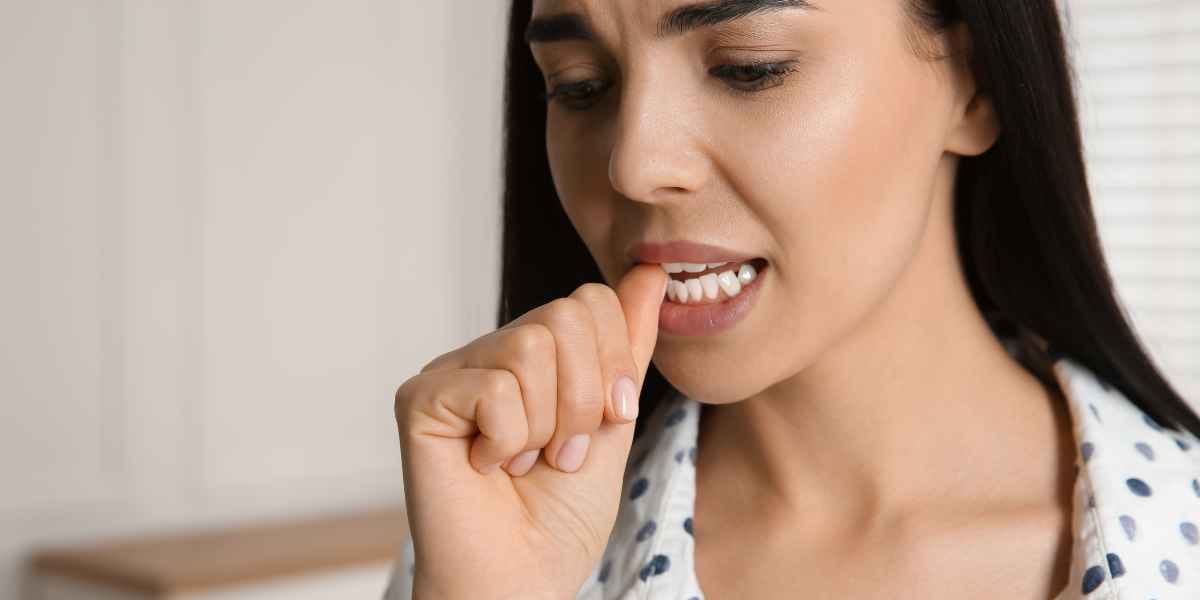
{"x":570,"y":456}
{"x":487,"y":469}
{"x":624,"y":396}
{"x":523,"y":462}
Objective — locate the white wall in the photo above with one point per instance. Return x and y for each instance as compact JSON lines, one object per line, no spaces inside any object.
{"x":1139,"y":72}
{"x":228,"y":231}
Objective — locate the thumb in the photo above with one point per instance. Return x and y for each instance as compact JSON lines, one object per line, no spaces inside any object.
{"x":641,"y":292}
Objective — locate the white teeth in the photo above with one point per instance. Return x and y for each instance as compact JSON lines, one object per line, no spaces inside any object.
{"x":708,"y":286}
{"x":746,"y":274}
{"x":729,"y":282}
{"x":679,"y":291}
{"x":690,"y":267}
{"x":709,"y":283}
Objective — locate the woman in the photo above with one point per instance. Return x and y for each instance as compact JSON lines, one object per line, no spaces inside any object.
{"x":858,"y":235}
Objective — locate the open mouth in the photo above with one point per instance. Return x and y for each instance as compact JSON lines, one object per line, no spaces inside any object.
{"x":710,"y":283}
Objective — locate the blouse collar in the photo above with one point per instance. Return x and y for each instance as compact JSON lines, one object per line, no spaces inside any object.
{"x":1136,"y":503}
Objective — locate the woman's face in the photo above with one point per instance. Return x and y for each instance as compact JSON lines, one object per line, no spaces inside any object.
{"x":829,"y":169}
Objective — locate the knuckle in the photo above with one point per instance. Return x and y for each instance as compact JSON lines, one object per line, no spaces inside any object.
{"x":498,"y":383}
{"x":566,"y":312}
{"x":406,"y":397}
{"x":596,"y":293}
{"x":531,"y":341}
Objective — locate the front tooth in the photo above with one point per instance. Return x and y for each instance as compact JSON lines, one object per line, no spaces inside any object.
{"x":695,"y":292}
{"x":673,"y":267}
{"x":694,"y":267}
{"x":715,"y":265}
{"x":729,"y":282}
{"x":709,"y":282}
{"x":680,"y":291}
{"x":746,"y":274}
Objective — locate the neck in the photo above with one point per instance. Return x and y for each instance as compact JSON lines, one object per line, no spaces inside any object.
{"x":919,"y":405}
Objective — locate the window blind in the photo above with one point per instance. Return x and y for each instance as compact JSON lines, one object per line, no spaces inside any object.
{"x":1138,"y":69}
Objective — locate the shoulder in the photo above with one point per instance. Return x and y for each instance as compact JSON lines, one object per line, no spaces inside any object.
{"x":1103,"y":414}
{"x":1137,"y":495}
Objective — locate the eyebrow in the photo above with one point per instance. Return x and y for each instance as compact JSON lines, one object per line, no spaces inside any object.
{"x":572,"y":26}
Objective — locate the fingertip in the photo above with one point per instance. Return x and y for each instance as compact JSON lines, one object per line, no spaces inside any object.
{"x":625,"y":399}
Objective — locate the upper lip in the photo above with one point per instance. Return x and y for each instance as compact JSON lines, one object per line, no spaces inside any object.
{"x":677,"y":251}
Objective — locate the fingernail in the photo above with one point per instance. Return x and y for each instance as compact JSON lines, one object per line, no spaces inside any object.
{"x":523,"y":462}
{"x":624,"y":395}
{"x":487,"y":469}
{"x":570,"y":456}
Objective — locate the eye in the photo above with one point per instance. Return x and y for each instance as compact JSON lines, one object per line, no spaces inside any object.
{"x":578,"y":95}
{"x":753,"y":77}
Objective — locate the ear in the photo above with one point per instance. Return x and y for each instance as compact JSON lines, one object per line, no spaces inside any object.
{"x":974,"y":125}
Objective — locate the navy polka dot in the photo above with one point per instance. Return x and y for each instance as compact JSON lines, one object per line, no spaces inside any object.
{"x":1189,"y":532}
{"x":657,"y":566}
{"x":675,"y":417}
{"x":646,"y":531}
{"x":1169,"y":570}
{"x":1092,"y":578}
{"x":1138,"y":487}
{"x":1130,"y":527}
{"x":639,"y":487}
{"x":1114,"y":565}
{"x":1119,"y":545}
{"x":1151,"y":422}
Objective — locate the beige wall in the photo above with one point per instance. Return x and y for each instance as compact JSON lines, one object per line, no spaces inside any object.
{"x":228,"y":231}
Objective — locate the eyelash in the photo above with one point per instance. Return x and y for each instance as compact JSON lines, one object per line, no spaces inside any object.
{"x":766,"y":75}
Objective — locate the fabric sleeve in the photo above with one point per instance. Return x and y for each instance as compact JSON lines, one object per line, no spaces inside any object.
{"x":400,"y":583}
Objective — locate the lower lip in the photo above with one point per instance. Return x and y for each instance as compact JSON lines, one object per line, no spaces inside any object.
{"x":705,"y":319}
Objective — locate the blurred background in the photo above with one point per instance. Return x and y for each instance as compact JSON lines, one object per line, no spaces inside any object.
{"x":229,"y":230}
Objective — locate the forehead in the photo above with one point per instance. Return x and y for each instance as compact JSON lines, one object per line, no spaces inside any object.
{"x":553,"y":20}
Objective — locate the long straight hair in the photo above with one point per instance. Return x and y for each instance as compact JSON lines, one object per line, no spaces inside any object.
{"x":1025,"y":230}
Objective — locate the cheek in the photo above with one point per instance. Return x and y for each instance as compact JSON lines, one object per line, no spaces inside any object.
{"x":841,"y":170}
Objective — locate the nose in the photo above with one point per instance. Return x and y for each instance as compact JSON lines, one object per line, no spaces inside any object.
{"x":657,"y":151}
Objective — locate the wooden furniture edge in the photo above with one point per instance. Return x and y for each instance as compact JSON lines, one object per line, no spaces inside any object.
{"x":191,"y":561}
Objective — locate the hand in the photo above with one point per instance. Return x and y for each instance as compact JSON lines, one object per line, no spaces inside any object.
{"x":537,"y":525}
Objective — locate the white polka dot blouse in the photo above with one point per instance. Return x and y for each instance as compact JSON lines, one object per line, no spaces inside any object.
{"x":1135,"y":520}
